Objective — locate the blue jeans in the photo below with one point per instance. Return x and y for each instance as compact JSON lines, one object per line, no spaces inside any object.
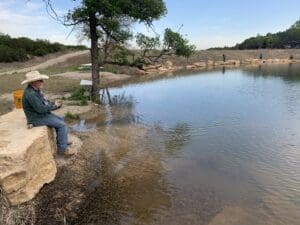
{"x":56,"y":122}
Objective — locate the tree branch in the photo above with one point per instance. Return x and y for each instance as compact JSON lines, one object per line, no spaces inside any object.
{"x":50,"y":10}
{"x":108,"y":32}
{"x":53,"y":14}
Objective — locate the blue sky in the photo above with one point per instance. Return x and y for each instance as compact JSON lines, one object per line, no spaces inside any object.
{"x":206,"y":23}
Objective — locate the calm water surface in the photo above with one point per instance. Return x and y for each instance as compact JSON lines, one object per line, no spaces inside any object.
{"x":229,"y":144}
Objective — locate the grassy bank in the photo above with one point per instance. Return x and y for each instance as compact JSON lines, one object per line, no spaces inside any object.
{"x":9,"y":83}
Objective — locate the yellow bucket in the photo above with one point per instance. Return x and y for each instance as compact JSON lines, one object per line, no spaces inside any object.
{"x":18,"y":94}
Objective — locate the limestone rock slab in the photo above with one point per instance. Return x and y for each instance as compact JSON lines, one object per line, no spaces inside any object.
{"x":26,"y":157}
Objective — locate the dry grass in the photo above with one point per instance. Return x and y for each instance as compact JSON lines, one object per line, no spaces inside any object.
{"x":36,"y":60}
{"x":5,"y":106}
{"x":18,"y":215}
{"x":69,"y":65}
{"x":12,"y":82}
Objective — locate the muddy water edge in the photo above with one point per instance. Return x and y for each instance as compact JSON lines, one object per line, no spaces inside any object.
{"x":97,"y":187}
{"x":117,"y":178}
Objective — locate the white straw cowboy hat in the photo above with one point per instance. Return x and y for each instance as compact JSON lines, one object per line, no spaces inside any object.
{"x":34,"y":76}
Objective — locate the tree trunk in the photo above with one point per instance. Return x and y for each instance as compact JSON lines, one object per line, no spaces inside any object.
{"x":94,"y":58}
{"x":106,"y":46}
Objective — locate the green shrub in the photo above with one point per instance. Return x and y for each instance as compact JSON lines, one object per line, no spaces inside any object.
{"x":70,"y":116}
{"x":40,"y":52}
{"x":79,"y":95}
{"x":289,"y":38}
{"x":8,"y":54}
{"x":139,"y":62}
{"x":20,"y":49}
{"x":120,"y":55}
{"x":83,"y":102}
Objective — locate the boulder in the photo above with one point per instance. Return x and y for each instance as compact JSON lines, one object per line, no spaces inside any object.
{"x":268,"y":61}
{"x":219,"y":63}
{"x":151,"y":67}
{"x":285,"y":60}
{"x":210,"y":63}
{"x":237,"y":62}
{"x":189,"y":67}
{"x":199,"y":64}
{"x":228,"y":63}
{"x":247,"y":61}
{"x":233,"y":62}
{"x":257,"y":61}
{"x":169,"y":64}
{"x":26,"y":157}
{"x":152,"y":71}
{"x":163,"y":69}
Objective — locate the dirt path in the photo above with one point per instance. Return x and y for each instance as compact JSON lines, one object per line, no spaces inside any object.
{"x":107,"y":78}
{"x":47,"y":63}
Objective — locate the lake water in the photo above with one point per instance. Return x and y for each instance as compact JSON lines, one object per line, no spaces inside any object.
{"x":228,"y":144}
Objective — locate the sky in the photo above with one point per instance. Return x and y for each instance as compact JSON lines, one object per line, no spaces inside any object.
{"x":206,"y":23}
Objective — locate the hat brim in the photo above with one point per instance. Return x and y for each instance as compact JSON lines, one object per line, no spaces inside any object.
{"x":40,"y":77}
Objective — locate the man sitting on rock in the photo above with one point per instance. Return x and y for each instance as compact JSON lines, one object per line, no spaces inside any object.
{"x":38,"y":110}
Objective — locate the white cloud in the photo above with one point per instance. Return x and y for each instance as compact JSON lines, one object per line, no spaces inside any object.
{"x":15,"y":23}
{"x":32,"y":7}
{"x":30,"y":19}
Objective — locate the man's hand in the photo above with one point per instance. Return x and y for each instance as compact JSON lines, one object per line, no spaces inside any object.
{"x":58,"y":103}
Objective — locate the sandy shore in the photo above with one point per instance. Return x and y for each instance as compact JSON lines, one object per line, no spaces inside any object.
{"x":107,"y":78}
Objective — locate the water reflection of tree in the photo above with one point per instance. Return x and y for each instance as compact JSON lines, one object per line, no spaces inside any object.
{"x":288,"y":72}
{"x":174,"y":139}
{"x":123,"y":110}
{"x":120,"y":110}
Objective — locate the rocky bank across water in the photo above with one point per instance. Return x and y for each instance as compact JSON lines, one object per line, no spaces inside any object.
{"x":168,"y":66}
{"x":109,"y":79}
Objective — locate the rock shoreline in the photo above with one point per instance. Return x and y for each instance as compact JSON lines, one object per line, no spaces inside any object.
{"x":109,"y":79}
{"x":210,"y":64}
{"x":27,"y":157}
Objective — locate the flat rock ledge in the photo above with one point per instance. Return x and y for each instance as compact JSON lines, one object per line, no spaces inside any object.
{"x":26,"y":157}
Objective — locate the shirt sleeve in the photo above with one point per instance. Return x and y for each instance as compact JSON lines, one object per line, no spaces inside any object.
{"x":38,"y":105}
{"x":51,"y":103}
{"x":54,"y":107}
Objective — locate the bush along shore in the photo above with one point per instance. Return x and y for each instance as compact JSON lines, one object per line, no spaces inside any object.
{"x":23,"y":49}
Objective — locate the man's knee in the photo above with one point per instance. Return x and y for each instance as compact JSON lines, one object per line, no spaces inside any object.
{"x":51,"y":121}
{"x":57,"y":123}
{"x":58,"y":117}
{"x":62,"y":124}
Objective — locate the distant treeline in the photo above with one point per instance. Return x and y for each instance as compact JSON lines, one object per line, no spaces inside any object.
{"x":22,"y":49}
{"x":286,"y":39}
